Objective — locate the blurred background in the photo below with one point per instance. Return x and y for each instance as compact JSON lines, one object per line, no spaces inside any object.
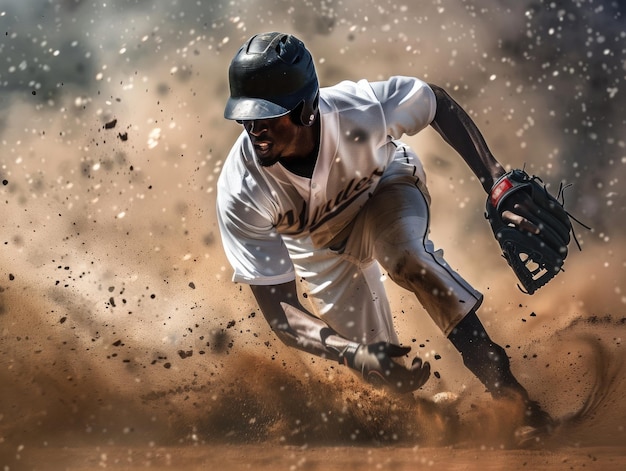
{"x":118,"y":319}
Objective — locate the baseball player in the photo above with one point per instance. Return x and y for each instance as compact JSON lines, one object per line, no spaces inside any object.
{"x":318,"y":194}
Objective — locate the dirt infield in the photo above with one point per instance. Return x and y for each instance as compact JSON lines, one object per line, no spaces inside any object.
{"x":262,"y":457}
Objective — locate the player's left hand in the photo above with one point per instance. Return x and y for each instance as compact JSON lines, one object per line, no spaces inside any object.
{"x":519,"y":209}
{"x":531,"y":226}
{"x":376,"y":363}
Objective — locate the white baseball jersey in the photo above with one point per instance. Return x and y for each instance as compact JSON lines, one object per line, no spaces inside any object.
{"x":268,"y":214}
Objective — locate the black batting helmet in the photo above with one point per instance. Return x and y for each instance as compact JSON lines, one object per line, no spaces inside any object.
{"x":272,"y":75}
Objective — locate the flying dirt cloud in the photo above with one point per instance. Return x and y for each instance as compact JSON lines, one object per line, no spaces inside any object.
{"x":118,"y":320}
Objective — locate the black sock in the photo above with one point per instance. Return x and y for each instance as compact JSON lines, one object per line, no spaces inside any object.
{"x":485,"y":358}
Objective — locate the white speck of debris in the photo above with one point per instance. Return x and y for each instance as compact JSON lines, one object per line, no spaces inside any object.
{"x":153,"y":138}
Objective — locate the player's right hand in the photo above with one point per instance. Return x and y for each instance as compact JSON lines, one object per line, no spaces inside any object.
{"x":376,"y":364}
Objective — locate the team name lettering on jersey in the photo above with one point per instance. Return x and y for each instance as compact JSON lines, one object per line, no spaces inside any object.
{"x":289,"y":223}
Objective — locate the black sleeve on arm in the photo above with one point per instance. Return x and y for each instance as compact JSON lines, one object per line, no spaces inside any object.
{"x":461,"y":133}
{"x":293,"y":325}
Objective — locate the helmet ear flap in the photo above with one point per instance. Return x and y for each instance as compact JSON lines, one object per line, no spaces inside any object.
{"x":304,"y":114}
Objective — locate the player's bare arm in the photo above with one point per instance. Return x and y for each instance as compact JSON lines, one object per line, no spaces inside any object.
{"x":297,"y":328}
{"x":293,"y":324}
{"x":537,"y":246}
{"x":459,"y":130}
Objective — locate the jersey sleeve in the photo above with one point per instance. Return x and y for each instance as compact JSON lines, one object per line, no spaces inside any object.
{"x":408,"y":104}
{"x":254,"y":249}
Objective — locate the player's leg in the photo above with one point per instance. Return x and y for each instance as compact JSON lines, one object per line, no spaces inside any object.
{"x":402,"y":247}
{"x":398,"y":227}
{"x":404,"y":251}
{"x":485,"y":358}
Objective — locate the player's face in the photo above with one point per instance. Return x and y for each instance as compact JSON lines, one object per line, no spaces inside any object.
{"x":274,"y":139}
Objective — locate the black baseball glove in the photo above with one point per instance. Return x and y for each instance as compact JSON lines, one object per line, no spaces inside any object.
{"x":531,"y":226}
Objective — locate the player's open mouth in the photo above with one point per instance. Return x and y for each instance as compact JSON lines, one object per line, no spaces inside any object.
{"x":262,"y":147}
